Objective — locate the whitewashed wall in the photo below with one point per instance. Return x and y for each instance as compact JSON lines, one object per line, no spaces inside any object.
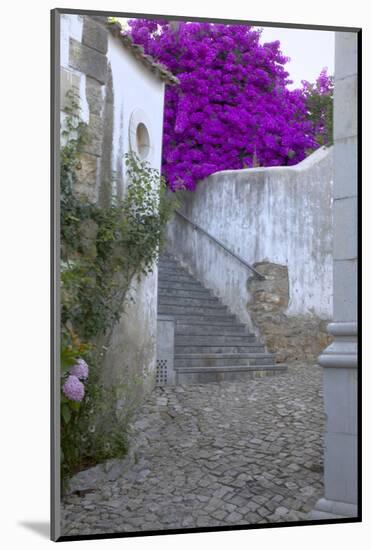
{"x":135,"y":89}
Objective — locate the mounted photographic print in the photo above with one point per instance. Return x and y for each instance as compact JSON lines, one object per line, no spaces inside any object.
{"x":204,"y":345}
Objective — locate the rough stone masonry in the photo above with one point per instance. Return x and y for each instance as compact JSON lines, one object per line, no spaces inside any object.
{"x":295,"y":337}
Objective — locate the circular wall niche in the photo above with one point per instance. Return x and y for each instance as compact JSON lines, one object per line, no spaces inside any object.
{"x":143,"y":141}
{"x":140,"y":139}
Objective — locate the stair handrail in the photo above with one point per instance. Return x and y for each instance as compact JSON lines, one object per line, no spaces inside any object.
{"x":222,"y":245}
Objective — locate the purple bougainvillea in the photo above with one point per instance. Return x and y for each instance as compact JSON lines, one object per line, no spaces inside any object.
{"x":232,"y":108}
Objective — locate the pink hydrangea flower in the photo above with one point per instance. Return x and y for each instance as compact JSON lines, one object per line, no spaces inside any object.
{"x":80,"y":369}
{"x":73,"y":388}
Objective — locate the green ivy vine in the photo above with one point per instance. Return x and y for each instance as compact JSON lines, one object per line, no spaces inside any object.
{"x":102,"y":250}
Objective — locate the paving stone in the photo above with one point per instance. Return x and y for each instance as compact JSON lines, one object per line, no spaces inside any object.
{"x":207,"y":462}
{"x":282,"y":511}
{"x":234,"y":517}
{"x":219,"y":514}
{"x":252,"y":518}
{"x":263,"y":511}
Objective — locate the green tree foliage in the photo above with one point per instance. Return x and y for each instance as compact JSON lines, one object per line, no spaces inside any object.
{"x":320,"y":105}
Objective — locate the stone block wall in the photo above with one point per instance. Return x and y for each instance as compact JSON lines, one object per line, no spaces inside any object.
{"x":85,"y":68}
{"x":294,"y":337}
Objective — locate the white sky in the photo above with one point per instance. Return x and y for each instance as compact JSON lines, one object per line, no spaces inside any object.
{"x":309,"y":51}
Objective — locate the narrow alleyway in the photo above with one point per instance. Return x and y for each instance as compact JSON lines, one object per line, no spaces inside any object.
{"x":213,"y":455}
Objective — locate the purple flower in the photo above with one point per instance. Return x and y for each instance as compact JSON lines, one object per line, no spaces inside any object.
{"x":232,"y":101}
{"x":80,"y":369}
{"x":73,"y":388}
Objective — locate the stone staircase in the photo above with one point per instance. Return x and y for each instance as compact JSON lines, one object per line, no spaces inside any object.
{"x":210,"y":344}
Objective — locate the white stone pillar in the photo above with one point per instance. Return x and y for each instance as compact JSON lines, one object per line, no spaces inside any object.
{"x":339,"y":360}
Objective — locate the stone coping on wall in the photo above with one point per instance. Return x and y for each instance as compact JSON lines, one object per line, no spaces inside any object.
{"x":313,"y":159}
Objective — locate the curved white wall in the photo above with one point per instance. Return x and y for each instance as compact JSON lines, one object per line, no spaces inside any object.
{"x":281,"y":215}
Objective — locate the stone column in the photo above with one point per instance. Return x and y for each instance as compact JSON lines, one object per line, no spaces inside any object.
{"x":339,"y":360}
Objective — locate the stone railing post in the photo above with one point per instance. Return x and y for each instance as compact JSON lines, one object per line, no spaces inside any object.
{"x":339,"y":360}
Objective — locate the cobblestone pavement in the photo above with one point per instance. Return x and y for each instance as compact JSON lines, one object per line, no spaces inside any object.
{"x":216,"y":455}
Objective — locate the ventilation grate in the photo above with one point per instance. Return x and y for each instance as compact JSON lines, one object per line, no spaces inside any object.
{"x":161,"y":372}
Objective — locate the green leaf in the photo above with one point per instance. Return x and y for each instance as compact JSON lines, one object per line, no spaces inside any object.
{"x":66,"y":413}
{"x":74,"y":405}
{"x":68,"y":359}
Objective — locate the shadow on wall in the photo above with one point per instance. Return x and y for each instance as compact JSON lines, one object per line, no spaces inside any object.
{"x":299,"y":337}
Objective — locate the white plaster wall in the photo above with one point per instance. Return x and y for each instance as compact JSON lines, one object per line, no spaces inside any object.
{"x":132,"y":348}
{"x":134,"y":88}
{"x":281,"y":215}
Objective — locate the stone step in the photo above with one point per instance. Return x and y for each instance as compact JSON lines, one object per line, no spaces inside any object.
{"x":207,"y":319}
{"x":174,"y":278}
{"x":166,"y":258}
{"x":176,"y":271}
{"x":211,"y":344}
{"x":164,"y":262}
{"x":212,"y":340}
{"x":200,"y":293}
{"x":163,"y":269}
{"x":174,"y":268}
{"x":221,"y":359}
{"x":172,"y":309}
{"x":181,"y":285}
{"x":233,"y":373}
{"x":201,"y":328}
{"x":248,"y":348}
{"x":174,"y":300}
{"x":164,"y":274}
